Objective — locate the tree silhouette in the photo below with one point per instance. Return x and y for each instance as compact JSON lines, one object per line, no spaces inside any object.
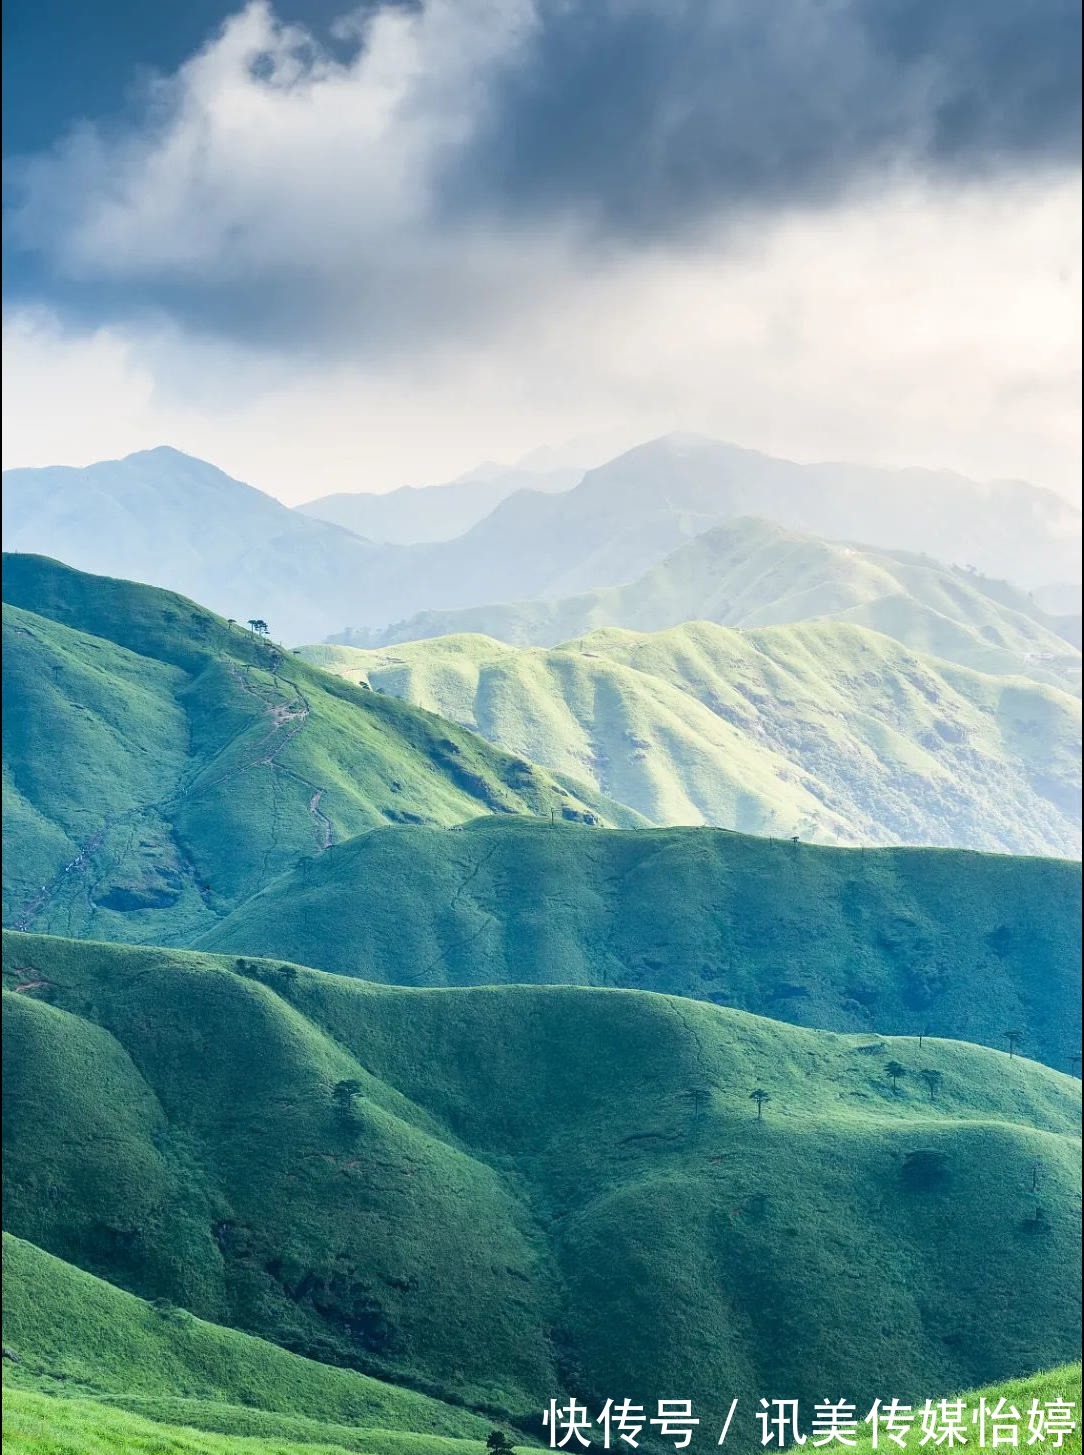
{"x":760,"y":1097}
{"x":343,"y":1094}
{"x":933,"y":1081}
{"x":894,"y":1071}
{"x":257,"y":626}
{"x":1037,"y":1170}
{"x":231,"y":622}
{"x":1013,"y":1038}
{"x":697,"y":1098}
{"x":922,"y":1036}
{"x":499,"y":1443}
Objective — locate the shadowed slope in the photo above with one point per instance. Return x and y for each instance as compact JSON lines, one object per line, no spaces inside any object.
{"x":887,"y":940}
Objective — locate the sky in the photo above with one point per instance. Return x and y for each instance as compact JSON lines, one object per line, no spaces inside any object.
{"x":349,"y":249}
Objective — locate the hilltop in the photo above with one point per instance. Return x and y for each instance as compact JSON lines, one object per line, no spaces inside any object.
{"x":491,"y":1194}
{"x":891,"y":941}
{"x":825,"y":729}
{"x":162,"y":764}
{"x":751,"y":573}
{"x":173,"y":521}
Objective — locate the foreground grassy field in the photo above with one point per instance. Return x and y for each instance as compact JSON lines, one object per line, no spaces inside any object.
{"x":161,"y":764}
{"x":40,"y":1425}
{"x":892,"y":941}
{"x":489,"y":1195}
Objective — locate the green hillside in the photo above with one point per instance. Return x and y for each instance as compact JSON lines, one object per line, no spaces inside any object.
{"x":754,"y":573}
{"x":51,"y":1426}
{"x":889,"y":940}
{"x":823,"y":729}
{"x":73,"y":1334}
{"x":493,"y":1194}
{"x":160,"y":764}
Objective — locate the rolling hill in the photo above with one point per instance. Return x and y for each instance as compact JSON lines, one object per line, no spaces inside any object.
{"x":160,"y":765}
{"x":824,"y":729}
{"x":162,"y":517}
{"x":752,"y":573}
{"x":493,"y":1194}
{"x":890,"y":941}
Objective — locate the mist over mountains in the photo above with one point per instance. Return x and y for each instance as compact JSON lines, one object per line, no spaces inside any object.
{"x":172,"y":521}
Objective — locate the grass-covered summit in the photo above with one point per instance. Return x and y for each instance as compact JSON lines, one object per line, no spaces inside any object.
{"x":161,"y":764}
{"x":495,"y":1193}
{"x":825,"y":729}
{"x":885,"y":940}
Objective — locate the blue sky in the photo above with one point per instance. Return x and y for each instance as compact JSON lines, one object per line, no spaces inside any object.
{"x":406,"y":238}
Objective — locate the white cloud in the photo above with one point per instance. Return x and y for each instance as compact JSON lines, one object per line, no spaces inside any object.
{"x":338,"y":327}
{"x":921,"y":328}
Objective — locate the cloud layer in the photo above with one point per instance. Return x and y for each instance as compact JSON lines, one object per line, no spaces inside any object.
{"x":824,"y":227}
{"x":279,"y":193}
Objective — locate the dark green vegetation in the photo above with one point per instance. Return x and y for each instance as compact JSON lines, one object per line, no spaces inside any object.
{"x":823,"y":729}
{"x":890,"y":940}
{"x":161,"y":764}
{"x":587,"y":1164}
{"x":751,"y":573}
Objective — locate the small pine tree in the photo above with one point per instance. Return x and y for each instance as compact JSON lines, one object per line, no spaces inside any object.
{"x":760,"y":1096}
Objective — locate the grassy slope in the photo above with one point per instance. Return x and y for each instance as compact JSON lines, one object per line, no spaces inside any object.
{"x":522,"y":1198}
{"x":48,"y":1425}
{"x":885,"y":940}
{"x":822,"y":729}
{"x":753,"y":573}
{"x":160,"y":766}
{"x":76,"y":1335}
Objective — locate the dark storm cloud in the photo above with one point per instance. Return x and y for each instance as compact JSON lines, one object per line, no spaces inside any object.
{"x":273,"y":194}
{"x":647,"y":114}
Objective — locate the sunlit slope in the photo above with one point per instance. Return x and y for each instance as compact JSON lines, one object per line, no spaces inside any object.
{"x":160,"y":764}
{"x":823,"y":729}
{"x":528,"y":1189}
{"x":887,"y":940}
{"x":754,"y":573}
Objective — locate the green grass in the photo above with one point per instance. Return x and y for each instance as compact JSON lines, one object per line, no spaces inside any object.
{"x":753,"y":573}
{"x":1053,"y":1384}
{"x":823,"y":729}
{"x":891,"y":941}
{"x":44,"y":1425}
{"x":160,"y":766}
{"x":74,"y":1334}
{"x":540,"y":1188}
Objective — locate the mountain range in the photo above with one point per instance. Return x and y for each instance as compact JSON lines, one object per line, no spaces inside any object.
{"x":753,"y":573}
{"x":166,"y":519}
{"x":418,"y":514}
{"x":402,"y":1035}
